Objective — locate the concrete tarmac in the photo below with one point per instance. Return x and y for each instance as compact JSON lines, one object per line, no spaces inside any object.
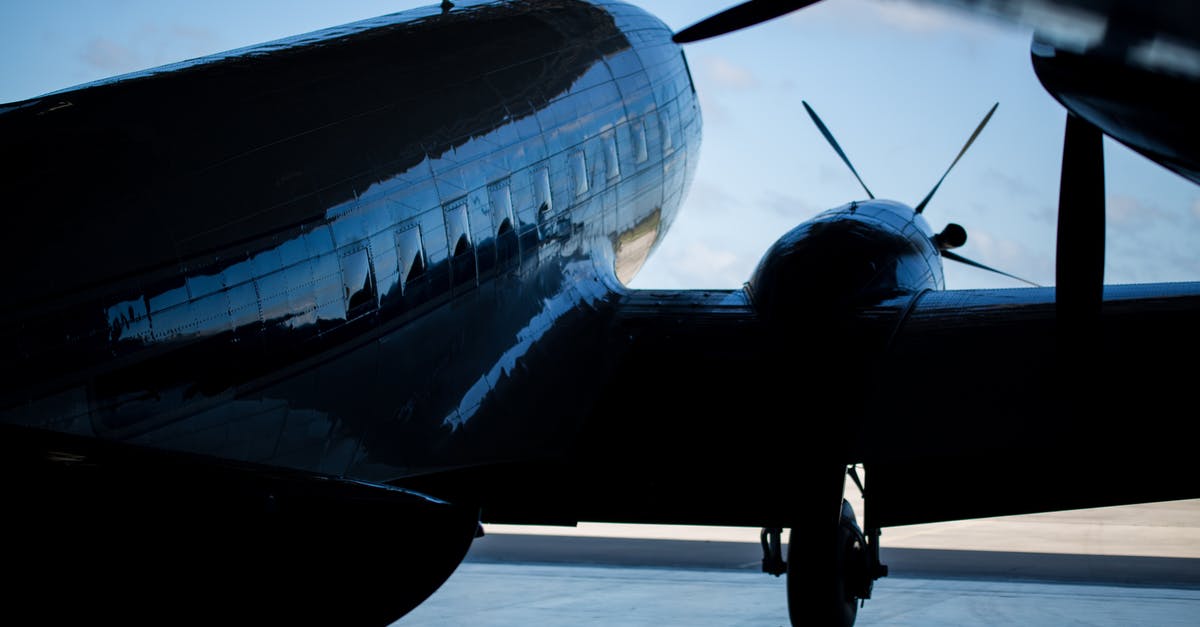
{"x":504,"y":595}
{"x":1123,"y":570}
{"x":1115,"y":566}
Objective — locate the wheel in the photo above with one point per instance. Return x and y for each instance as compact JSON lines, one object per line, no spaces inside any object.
{"x":826,"y":562}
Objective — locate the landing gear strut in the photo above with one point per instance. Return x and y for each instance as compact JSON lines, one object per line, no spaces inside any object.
{"x":773,"y":562}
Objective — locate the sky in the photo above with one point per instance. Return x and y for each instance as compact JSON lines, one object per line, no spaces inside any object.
{"x":901,"y":85}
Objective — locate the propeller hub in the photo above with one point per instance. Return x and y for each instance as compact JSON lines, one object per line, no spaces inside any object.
{"x":953,"y":236}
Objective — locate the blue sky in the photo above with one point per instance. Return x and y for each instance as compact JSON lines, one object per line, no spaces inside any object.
{"x":901,"y":85}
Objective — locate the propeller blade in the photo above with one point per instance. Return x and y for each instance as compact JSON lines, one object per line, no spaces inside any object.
{"x":921,"y":207}
{"x":833,"y":142}
{"x":1079,"y":269}
{"x":738,"y":17}
{"x":959,"y":258}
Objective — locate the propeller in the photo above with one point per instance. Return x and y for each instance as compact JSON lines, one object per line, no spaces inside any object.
{"x":1079,"y":266}
{"x":741,"y":16}
{"x":953,"y":235}
{"x":837,"y":148}
{"x":925,"y":201}
{"x":959,"y":258}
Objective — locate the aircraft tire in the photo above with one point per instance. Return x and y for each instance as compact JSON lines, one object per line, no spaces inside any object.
{"x":821,"y":561}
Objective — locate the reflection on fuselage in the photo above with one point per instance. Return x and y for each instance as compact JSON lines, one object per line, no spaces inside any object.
{"x":395,"y":324}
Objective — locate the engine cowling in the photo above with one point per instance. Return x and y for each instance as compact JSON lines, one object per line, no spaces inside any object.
{"x":851,"y":256}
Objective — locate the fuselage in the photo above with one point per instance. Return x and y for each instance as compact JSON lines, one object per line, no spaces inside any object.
{"x":345,"y":252}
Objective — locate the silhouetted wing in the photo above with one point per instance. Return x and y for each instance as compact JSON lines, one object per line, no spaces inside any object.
{"x":954,"y":401}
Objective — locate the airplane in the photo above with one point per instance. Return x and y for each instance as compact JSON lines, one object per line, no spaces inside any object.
{"x":307,"y":312}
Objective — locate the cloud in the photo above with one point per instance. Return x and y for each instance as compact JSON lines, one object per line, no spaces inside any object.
{"x":922,"y":18}
{"x":1130,"y":211}
{"x":715,"y":114}
{"x":830,"y":174}
{"x":1123,"y":208}
{"x":194,"y":34}
{"x":707,"y":198}
{"x":996,"y":250}
{"x":1147,"y":242}
{"x":789,"y":207}
{"x":175,"y":42}
{"x":728,"y":74}
{"x":694,"y":264}
{"x":1181,"y":266}
{"x":929,"y":17}
{"x":701,"y":259}
{"x":1046,"y":214}
{"x":148,"y":46}
{"x":1003,"y":254}
{"x":1010,"y":184}
{"x":109,"y":56}
{"x":916,"y":18}
{"x":702,"y":265}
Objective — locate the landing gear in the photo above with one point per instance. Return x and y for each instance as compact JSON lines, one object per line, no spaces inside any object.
{"x":773,"y":562}
{"x":831,"y":567}
{"x":826,"y":569}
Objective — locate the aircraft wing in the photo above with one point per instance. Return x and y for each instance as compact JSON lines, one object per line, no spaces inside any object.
{"x":982,"y":410}
{"x":959,"y":403}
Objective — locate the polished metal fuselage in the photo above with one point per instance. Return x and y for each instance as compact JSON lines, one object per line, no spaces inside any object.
{"x":341,"y":252}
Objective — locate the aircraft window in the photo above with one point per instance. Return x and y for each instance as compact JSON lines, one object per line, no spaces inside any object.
{"x":463,"y":270}
{"x":665,"y":119}
{"x":412,"y":255}
{"x":357,"y":284}
{"x":327,"y":289}
{"x":300,"y":299}
{"x":458,"y":227}
{"x":641,"y":154}
{"x":579,"y":172}
{"x":541,"y":190}
{"x":501,"y":199}
{"x":614,"y":167}
{"x":381,"y":248}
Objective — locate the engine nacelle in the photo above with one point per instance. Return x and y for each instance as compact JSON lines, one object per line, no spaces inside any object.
{"x":852,"y":256}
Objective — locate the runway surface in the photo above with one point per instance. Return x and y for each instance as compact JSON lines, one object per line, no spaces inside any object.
{"x":504,"y":595}
{"x":1110,"y":567}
